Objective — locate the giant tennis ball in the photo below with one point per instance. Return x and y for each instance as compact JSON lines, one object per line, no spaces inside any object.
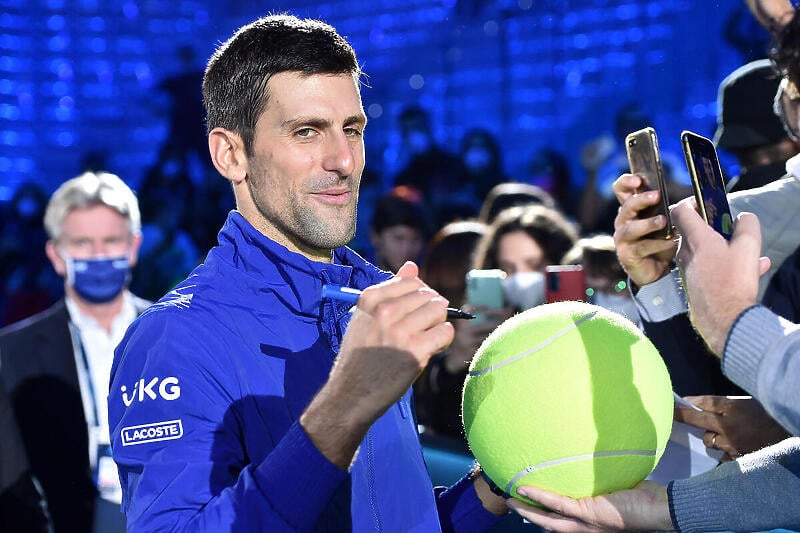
{"x":568,"y":397}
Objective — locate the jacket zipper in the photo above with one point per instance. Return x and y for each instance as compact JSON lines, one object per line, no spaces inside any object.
{"x":371,"y":477}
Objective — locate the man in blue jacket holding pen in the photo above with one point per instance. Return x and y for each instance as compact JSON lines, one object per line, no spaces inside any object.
{"x":243,"y":401}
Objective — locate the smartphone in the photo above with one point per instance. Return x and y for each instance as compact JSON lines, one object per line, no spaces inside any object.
{"x":564,"y":282}
{"x":644,"y":158}
{"x":707,"y":182}
{"x":485,"y":290}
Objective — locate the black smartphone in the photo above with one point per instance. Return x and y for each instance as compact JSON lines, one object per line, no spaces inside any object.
{"x":707,"y":182}
{"x":644,"y":158}
{"x":564,"y":282}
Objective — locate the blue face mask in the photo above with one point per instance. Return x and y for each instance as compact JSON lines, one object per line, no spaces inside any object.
{"x":98,"y":280}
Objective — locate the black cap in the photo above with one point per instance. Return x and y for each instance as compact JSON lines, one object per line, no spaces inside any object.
{"x":744,"y":108}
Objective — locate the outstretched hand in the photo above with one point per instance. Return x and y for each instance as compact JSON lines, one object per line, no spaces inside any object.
{"x":644,"y":507}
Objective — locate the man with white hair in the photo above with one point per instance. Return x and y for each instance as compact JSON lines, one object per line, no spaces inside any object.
{"x":56,"y":364}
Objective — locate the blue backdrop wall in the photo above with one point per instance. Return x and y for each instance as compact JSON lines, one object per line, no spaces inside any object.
{"x":80,"y":78}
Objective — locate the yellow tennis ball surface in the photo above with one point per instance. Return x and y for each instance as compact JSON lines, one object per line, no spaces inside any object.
{"x":569,"y":397}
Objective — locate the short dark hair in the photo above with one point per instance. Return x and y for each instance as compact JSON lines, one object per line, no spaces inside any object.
{"x":235,"y":81}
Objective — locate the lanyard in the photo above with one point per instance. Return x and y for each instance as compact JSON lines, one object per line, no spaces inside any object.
{"x":77,"y":344}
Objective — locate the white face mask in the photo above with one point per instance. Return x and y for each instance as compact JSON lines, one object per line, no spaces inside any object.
{"x":619,"y":303}
{"x":524,"y":290}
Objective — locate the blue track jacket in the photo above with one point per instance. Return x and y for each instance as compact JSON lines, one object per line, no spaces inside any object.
{"x":207,"y":389}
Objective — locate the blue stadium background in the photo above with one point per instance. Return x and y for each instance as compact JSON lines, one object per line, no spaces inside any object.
{"x":80,"y":76}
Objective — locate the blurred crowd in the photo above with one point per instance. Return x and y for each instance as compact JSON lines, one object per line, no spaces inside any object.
{"x":183,"y":202}
{"x":453,"y":209}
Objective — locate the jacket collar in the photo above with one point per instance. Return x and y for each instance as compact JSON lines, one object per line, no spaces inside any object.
{"x":297,"y":280}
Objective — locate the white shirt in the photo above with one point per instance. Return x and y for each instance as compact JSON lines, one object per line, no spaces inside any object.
{"x":92,"y":341}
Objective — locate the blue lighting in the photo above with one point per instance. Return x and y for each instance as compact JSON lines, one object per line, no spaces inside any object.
{"x":98,"y":45}
{"x":636,"y":34}
{"x":627,"y":12}
{"x":9,"y":112}
{"x":698,"y":111}
{"x":59,"y":88}
{"x":56,"y":23}
{"x":58,"y":43}
{"x":65,"y":72}
{"x":66,"y":138}
{"x":130,"y":10}
{"x":10,"y":64}
{"x":97,"y":24}
{"x":71,"y":70}
{"x":9,"y":138}
{"x":63,"y":114}
{"x":376,"y":36}
{"x":580,"y":41}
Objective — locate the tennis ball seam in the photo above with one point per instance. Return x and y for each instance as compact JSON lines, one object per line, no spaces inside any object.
{"x":551,"y":340}
{"x":583,"y":457}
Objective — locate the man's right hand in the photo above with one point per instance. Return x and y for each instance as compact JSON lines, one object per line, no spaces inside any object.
{"x":396,"y":328}
{"x":644,"y":260}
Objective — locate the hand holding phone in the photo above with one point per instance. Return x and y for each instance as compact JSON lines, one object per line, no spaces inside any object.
{"x":707,"y":182}
{"x":644,"y":159}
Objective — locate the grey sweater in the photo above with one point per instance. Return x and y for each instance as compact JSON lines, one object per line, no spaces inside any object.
{"x":760,"y":490}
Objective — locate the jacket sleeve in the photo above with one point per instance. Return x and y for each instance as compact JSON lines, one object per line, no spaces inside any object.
{"x":762,"y":354}
{"x":758,"y":491}
{"x":460,"y":509}
{"x":178,"y":440}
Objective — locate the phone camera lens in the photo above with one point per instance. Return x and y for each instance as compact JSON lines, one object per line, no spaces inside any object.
{"x":632,"y":142}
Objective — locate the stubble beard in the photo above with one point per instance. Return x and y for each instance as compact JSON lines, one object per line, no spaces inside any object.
{"x":303,"y":226}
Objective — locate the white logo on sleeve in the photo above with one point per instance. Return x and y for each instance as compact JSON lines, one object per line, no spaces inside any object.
{"x":157,"y":431}
{"x":167,"y":389}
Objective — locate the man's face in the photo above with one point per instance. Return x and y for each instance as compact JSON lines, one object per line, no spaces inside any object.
{"x":308,"y":155}
{"x":93,"y":232}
